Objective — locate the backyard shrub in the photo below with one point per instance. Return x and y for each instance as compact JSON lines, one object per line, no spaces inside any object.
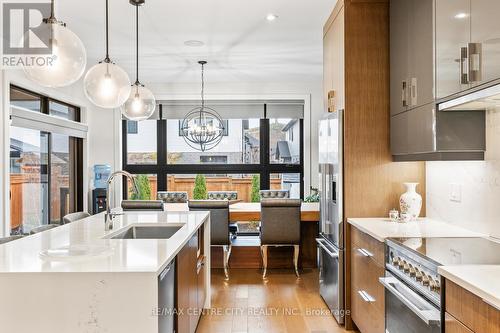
{"x":200,"y":188}
{"x":144,"y":188}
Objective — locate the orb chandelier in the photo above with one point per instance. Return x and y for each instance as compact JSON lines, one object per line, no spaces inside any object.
{"x":106,"y":84}
{"x":141,"y":102}
{"x":202,"y":128}
{"x":68,"y":55}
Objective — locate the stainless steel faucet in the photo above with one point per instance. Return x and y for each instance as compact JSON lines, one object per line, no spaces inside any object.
{"x":108,"y":218}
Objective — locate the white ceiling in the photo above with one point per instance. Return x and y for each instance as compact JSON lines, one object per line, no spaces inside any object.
{"x":240,"y":44}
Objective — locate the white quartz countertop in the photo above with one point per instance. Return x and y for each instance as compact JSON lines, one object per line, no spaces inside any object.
{"x":382,"y":228}
{"x":121,"y":255}
{"x":481,"y":280}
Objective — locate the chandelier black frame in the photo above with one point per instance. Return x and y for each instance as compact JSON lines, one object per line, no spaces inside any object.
{"x":202,"y":128}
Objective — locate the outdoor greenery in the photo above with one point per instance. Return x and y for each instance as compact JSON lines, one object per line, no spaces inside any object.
{"x":143,"y":187}
{"x":200,"y":188}
{"x":314,"y":196}
{"x":255,"y":195}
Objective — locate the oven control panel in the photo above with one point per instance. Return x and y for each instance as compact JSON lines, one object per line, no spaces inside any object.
{"x":418,"y":273}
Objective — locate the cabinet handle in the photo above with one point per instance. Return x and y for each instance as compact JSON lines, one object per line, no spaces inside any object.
{"x":365,"y":296}
{"x":413,"y":91}
{"x":365,"y":252}
{"x":475,"y":62}
{"x":404,"y":94}
{"x":464,"y":79}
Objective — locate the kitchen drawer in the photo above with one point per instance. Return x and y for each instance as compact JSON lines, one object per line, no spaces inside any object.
{"x":372,"y":247}
{"x":471,"y":310}
{"x":367,"y":294}
{"x":454,"y":326}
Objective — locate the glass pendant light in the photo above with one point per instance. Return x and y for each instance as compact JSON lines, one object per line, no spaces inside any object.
{"x":202,"y":128}
{"x":106,"y":84}
{"x":141,"y":102}
{"x":68,"y":56}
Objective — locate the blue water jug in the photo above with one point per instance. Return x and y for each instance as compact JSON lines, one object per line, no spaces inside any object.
{"x":101,"y":175}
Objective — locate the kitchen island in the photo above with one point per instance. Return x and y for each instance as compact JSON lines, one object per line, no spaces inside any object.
{"x":78,"y":278}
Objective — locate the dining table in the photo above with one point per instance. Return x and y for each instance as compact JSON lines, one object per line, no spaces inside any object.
{"x":250,"y":256}
{"x":250,"y":211}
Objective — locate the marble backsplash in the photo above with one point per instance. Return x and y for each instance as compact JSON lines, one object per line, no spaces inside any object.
{"x":476,"y":183}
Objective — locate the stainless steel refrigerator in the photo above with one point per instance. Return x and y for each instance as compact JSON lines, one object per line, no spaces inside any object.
{"x":331,"y":237}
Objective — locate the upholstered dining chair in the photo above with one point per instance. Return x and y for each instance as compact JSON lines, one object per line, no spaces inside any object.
{"x":74,"y":217}
{"x":172,"y":197}
{"x":280,"y":226}
{"x":274,"y":194}
{"x":222,"y":195}
{"x":226,"y":195}
{"x":42,"y":228}
{"x":156,"y":205}
{"x":219,"y":224}
{"x":10,"y":238}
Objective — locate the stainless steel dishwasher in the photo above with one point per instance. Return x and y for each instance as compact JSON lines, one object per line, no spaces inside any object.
{"x":166,"y":299}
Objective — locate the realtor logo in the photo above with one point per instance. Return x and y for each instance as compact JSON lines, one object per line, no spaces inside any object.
{"x":26,"y":40}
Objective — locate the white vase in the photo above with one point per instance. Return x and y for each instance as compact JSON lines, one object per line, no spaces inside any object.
{"x":410,"y":202}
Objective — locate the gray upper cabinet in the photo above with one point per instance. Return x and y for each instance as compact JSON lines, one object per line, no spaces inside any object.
{"x":485,"y":34}
{"x":452,"y":40}
{"x":399,"y":55}
{"x":412,"y":54}
{"x":435,"y":53}
{"x":467,"y":44}
{"x":421,"y":53}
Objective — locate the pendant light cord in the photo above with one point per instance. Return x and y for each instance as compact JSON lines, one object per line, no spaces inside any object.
{"x":202,"y":85}
{"x":137,"y":45}
{"x":107,"y":35}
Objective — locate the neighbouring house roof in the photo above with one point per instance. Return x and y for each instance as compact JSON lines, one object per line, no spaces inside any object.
{"x":290,"y":124}
{"x":282,"y":150}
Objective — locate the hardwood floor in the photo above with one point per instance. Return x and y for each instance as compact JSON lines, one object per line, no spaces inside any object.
{"x":283,"y":303}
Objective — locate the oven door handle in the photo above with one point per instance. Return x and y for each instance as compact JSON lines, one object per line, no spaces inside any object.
{"x":430,"y":317}
{"x":323,"y":246}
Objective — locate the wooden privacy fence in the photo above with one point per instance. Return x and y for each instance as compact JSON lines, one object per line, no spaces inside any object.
{"x":186,"y":184}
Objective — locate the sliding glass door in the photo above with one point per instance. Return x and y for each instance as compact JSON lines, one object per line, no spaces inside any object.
{"x":45,"y":164}
{"x":29,"y":179}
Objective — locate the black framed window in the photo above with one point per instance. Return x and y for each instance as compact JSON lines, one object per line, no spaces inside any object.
{"x":32,"y":101}
{"x":248,"y":159}
{"x":46,"y":168}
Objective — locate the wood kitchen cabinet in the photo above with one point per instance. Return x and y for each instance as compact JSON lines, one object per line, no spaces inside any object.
{"x":367,"y":293}
{"x":356,"y":54}
{"x":191,"y":291}
{"x":466,"y":312}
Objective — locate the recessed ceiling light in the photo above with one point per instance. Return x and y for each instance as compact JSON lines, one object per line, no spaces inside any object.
{"x":271,"y":17}
{"x":461,"y":15}
{"x":194,"y":43}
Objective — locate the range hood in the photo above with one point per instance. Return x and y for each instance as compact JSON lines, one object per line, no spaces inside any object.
{"x":480,"y":98}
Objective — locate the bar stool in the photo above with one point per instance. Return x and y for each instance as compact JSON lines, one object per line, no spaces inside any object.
{"x":74,"y":217}
{"x":219,"y":224}
{"x":42,"y":228}
{"x":280,"y":226}
{"x":10,"y":238}
{"x":172,"y":197}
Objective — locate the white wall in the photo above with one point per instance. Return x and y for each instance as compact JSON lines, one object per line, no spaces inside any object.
{"x":479,"y":206}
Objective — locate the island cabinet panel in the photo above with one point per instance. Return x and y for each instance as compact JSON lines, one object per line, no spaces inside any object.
{"x":470,"y":310}
{"x":187,"y":287}
{"x":367,"y":294}
{"x":454,"y":326}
